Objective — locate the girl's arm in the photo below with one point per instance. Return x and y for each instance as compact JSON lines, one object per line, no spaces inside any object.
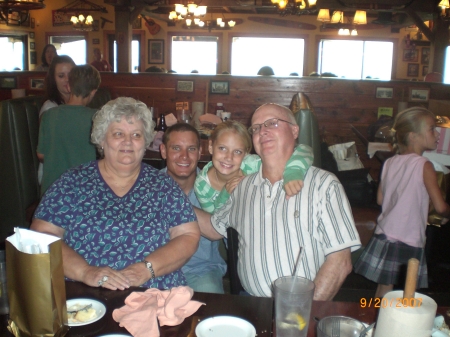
{"x":432,"y":186}
{"x":379,"y":195}
{"x":295,"y":170}
{"x":204,"y":191}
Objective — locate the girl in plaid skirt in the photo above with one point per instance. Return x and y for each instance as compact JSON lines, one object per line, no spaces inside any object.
{"x":408,"y":182}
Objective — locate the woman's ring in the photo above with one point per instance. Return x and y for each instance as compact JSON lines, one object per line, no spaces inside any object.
{"x":103,"y":280}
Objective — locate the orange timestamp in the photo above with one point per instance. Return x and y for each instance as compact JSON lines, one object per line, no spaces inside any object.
{"x":398,"y":302}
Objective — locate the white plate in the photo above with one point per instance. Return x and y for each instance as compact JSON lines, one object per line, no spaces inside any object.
{"x":99,"y":307}
{"x":225,"y":326}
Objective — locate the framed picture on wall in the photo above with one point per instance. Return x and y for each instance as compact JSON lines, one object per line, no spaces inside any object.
{"x":32,"y":35}
{"x":219,"y":87}
{"x":424,"y":70}
{"x":155,"y":51}
{"x":33,"y":57}
{"x":410,"y":55}
{"x":425,"y":57}
{"x":32,"y":46}
{"x":95,"y":41}
{"x":384,"y":93}
{"x":37,"y":83}
{"x":413,"y":70}
{"x":7,"y":82}
{"x":32,"y":23}
{"x":419,"y":95}
{"x":185,"y":86}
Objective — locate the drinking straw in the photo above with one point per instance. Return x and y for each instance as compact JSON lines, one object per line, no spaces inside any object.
{"x":297,"y":267}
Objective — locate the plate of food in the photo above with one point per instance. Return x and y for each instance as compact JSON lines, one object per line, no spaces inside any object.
{"x":82,"y":311}
{"x":225,"y":326}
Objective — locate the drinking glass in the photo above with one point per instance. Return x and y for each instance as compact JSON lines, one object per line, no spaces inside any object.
{"x":293,"y":301}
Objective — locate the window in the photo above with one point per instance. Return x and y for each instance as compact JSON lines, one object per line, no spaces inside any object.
{"x":356,"y":59}
{"x":447,"y":65}
{"x":12,"y":55}
{"x":72,"y":45}
{"x":135,"y":52}
{"x":194,"y":53}
{"x":283,"y":55}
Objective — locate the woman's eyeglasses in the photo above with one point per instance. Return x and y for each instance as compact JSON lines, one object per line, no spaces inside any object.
{"x":270,"y":124}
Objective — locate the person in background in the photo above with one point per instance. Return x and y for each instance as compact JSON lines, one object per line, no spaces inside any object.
{"x":293,"y":74}
{"x":181,"y":150}
{"x":265,"y":71}
{"x":230,"y":145}
{"x":194,"y":71}
{"x":155,"y":69}
{"x":48,"y":54}
{"x":99,"y":63}
{"x":273,"y":229}
{"x":408,"y":182}
{"x":64,"y":131}
{"x":57,"y":90}
{"x":122,"y":222}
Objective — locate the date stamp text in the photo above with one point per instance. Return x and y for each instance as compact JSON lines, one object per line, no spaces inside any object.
{"x":399,"y":302}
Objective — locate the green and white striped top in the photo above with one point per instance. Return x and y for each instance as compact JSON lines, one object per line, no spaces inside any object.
{"x":211,"y":199}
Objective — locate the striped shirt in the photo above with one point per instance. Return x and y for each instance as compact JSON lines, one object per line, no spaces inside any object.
{"x":211,"y":199}
{"x":272,"y":229}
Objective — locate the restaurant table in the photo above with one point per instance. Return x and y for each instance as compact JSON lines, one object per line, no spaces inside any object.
{"x":256,"y":310}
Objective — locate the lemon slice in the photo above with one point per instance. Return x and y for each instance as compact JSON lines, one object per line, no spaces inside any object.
{"x":297,"y":319}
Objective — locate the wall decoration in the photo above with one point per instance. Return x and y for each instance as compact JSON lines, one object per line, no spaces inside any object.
{"x":384,"y":93}
{"x":219,"y":87}
{"x":425,"y":58}
{"x":137,"y":24}
{"x":8,"y":82}
{"x":424,"y":70}
{"x":185,"y":86}
{"x":413,"y":70}
{"x":96,"y":25}
{"x":32,"y":46}
{"x":384,"y":111}
{"x":17,"y":19}
{"x":33,"y":57}
{"x":410,"y":55}
{"x":155,"y":51}
{"x":32,"y":23}
{"x":32,"y":35}
{"x":95,"y":41}
{"x":61,"y":19}
{"x":419,"y":95}
{"x":37,"y":83}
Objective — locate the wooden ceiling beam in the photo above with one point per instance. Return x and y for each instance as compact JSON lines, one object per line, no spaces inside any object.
{"x":420,"y":24}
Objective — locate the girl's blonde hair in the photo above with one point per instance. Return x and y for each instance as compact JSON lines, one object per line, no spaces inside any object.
{"x":236,"y":127}
{"x":407,"y":121}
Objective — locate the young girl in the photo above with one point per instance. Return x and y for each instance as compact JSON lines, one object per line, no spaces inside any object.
{"x":408,"y":181}
{"x":229,"y":146}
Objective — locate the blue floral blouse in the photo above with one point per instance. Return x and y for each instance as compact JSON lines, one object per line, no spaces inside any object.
{"x":107,"y":230}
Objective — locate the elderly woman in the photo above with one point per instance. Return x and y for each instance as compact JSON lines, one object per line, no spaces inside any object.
{"x":123,"y":223}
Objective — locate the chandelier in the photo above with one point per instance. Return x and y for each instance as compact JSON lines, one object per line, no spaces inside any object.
{"x":18,"y":11}
{"x":81,"y":19}
{"x":337,"y":21}
{"x":192,"y":13}
{"x":295,"y":7}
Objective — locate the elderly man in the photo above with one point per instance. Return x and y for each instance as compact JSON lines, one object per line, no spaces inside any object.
{"x":181,"y":150}
{"x":272,"y":229}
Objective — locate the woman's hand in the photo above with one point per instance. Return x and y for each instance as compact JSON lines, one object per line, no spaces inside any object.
{"x":136,"y":273}
{"x":105,"y":277}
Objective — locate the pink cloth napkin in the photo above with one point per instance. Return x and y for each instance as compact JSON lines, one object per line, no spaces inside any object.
{"x":141,"y":310}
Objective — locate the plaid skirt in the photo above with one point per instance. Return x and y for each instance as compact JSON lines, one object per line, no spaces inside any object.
{"x":385,"y":262}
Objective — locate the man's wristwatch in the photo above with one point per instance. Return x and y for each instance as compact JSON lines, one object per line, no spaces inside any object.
{"x":149,"y":266}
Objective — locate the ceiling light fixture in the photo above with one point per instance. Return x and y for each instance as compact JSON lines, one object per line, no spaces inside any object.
{"x":337,"y":21}
{"x":295,"y":7}
{"x":80,"y":18}
{"x":444,"y":4}
{"x":18,"y":11}
{"x":190,"y":12}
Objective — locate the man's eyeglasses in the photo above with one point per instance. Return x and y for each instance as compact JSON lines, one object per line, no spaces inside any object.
{"x":270,"y":124}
